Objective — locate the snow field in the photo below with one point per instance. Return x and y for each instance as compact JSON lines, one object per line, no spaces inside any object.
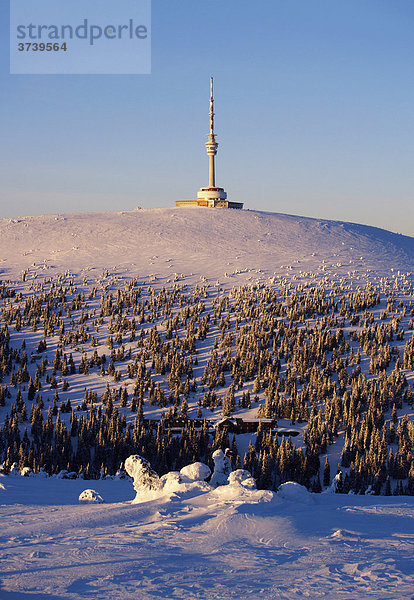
{"x":218,"y":544}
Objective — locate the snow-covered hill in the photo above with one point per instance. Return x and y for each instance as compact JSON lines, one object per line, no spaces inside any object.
{"x":200,"y":241}
{"x":214,"y":545}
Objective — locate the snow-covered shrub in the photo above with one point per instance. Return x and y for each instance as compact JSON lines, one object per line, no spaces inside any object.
{"x":222,"y":469}
{"x":26,"y":472}
{"x":14,"y":471}
{"x":293,"y":491}
{"x":241,"y":487}
{"x":171,"y":479}
{"x":90,"y":497}
{"x":197,"y":471}
{"x":336,"y":483}
{"x":145,"y":479}
{"x":64,"y":474}
{"x":120,"y":474}
{"x":178,"y":484}
{"x":242,"y":477}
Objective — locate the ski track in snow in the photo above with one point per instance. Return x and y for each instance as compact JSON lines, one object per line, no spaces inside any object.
{"x":211,"y":546}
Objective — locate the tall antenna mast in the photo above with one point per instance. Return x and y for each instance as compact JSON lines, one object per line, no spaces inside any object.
{"x":211,"y":144}
{"x":211,"y":107}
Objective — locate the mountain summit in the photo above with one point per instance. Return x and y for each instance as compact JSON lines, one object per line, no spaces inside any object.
{"x":202,"y":242}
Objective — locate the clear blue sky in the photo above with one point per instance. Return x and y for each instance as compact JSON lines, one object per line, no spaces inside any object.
{"x":314,"y":115}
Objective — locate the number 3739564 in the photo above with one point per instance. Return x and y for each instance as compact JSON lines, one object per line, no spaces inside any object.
{"x":41,"y":47}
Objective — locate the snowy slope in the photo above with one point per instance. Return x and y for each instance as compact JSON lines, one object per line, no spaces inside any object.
{"x":211,"y":546}
{"x":198,"y":241}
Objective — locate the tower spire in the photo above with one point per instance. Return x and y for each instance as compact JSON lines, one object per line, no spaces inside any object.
{"x":211,"y":144}
{"x":211,"y":107}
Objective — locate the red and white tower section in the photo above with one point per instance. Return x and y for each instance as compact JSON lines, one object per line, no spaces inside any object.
{"x":212,"y":194}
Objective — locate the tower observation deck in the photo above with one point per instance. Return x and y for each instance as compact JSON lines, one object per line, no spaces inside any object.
{"x":211,"y":196}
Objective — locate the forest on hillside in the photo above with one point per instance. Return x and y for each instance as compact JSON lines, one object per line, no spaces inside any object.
{"x":91,"y":372}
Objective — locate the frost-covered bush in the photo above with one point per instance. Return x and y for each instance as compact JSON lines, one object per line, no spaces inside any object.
{"x":90,"y":497}
{"x":171,"y":480}
{"x":14,"y":471}
{"x":145,"y":479}
{"x":120,"y":474}
{"x":335,"y":486}
{"x":241,"y":487}
{"x":64,"y":474}
{"x":176,"y":486}
{"x":197,"y":471}
{"x":26,"y":472}
{"x":242,"y":477}
{"x":222,"y":468}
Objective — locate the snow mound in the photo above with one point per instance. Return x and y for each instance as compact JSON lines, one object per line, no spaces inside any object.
{"x":197,"y":471}
{"x":344,"y":534}
{"x":90,"y":497}
{"x":294,"y":492}
{"x":236,"y":493}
